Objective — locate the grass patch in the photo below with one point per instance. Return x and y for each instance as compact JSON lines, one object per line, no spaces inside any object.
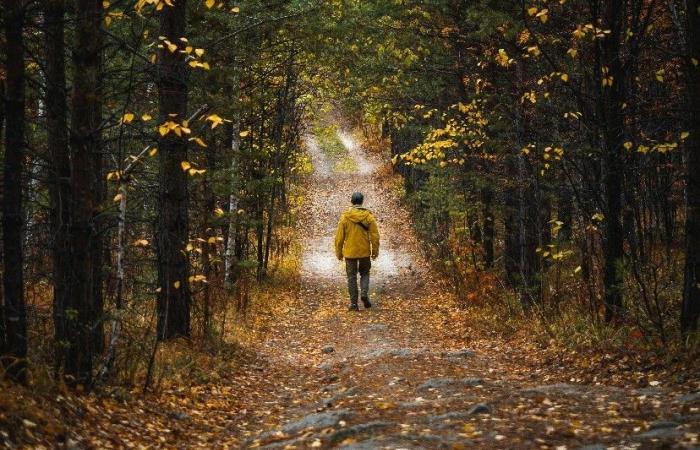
{"x":333,"y":148}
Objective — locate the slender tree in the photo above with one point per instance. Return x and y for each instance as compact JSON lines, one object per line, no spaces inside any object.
{"x":14,"y":310}
{"x":174,"y":296}
{"x":611,"y":112}
{"x":691,"y":290}
{"x":81,"y":312}
{"x":57,"y":141}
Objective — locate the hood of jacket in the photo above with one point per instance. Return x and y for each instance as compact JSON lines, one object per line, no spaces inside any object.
{"x":358,"y":214}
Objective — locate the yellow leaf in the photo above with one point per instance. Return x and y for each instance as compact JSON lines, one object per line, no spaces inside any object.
{"x":564,"y":77}
{"x":577,"y":269}
{"x":235,"y":10}
{"x":189,"y":248}
{"x":244,"y":133}
{"x":199,"y":142}
{"x":172,"y":47}
{"x":105,"y":4}
{"x":118,"y":197}
{"x":532,"y":11}
{"x":212,"y":240}
{"x":146,"y":117}
{"x":684,"y":135}
{"x":199,"y":52}
{"x":176,"y":285}
{"x":128,"y":117}
{"x":219,"y":212}
{"x":627,"y":145}
{"x":164,"y":129}
{"x":141,"y":243}
{"x":209,"y":3}
{"x":153,"y":151}
{"x":215,"y":120}
{"x":572,"y":52}
{"x":185,"y":165}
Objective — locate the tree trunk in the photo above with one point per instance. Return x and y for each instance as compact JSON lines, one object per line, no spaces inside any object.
{"x":690,"y":310}
{"x":527,"y":209}
{"x":15,"y":317}
{"x":209,"y":205}
{"x":230,"y":271}
{"x":82,"y":312}
{"x":59,"y":186}
{"x":2,"y":262}
{"x":612,"y":101}
{"x":174,"y":298}
{"x":489,"y":225}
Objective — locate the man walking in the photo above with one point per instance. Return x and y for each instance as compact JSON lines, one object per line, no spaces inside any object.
{"x":356,"y":240}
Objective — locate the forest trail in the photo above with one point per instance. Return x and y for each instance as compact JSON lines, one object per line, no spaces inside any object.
{"x":399,"y":375}
{"x":413,"y":372}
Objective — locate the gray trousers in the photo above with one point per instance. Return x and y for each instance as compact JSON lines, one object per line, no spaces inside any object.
{"x":352,"y":267}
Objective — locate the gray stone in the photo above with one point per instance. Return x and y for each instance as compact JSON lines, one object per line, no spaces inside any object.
{"x":450,"y":416}
{"x":690,"y":398}
{"x":593,"y":447}
{"x":376,"y":327}
{"x":663,"y":424}
{"x":326,"y":365}
{"x":479,"y":408}
{"x":356,"y":430}
{"x":402,"y":353}
{"x":557,"y":388}
{"x":179,"y":415}
{"x":664,"y":433}
{"x":327,"y":349}
{"x":370,"y":444}
{"x":459,"y":354}
{"x":328,"y":402}
{"x":317,"y":421}
{"x":449,"y":382}
{"x":330,"y":387}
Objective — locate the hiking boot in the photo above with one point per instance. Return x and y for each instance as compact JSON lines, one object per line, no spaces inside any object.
{"x":353,"y":307}
{"x":365,"y":301}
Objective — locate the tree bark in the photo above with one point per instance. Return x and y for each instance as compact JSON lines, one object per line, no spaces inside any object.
{"x":489,"y":225}
{"x":230,"y":254}
{"x":690,"y":310}
{"x":15,"y":317}
{"x":613,"y":98}
{"x":174,"y":298}
{"x":59,"y":187}
{"x":82,"y":313}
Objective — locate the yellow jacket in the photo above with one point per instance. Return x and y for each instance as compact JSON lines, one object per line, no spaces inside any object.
{"x":351,"y":239}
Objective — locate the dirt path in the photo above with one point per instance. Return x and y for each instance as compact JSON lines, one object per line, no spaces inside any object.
{"x":413,"y":372}
{"x":400,"y":376}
